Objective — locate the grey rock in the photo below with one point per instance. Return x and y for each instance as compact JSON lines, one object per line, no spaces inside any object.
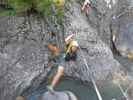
{"x":130,"y":93}
{"x":95,"y":51}
{"x":66,"y":95}
{"x":122,"y":33}
{"x":24,"y":55}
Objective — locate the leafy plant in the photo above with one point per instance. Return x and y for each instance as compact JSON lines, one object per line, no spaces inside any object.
{"x":20,"y":5}
{"x":60,"y":15}
{"x":7,"y":13}
{"x":44,"y":7}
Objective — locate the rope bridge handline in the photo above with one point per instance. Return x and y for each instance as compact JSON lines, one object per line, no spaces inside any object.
{"x":91,"y":75}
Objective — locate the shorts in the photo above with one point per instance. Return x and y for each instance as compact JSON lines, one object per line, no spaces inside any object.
{"x":58,"y":60}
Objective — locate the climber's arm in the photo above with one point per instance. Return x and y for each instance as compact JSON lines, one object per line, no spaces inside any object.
{"x":86,"y":2}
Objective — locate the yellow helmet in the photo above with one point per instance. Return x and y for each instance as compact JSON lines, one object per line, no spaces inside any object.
{"x":59,"y":3}
{"x":75,"y":43}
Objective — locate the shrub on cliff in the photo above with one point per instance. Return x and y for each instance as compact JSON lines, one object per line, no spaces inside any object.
{"x":21,"y":5}
{"x":44,"y":7}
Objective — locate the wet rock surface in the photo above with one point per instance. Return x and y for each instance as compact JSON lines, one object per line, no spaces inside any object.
{"x":24,"y":54}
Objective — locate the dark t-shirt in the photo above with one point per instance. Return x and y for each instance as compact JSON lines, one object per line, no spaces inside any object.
{"x":71,"y":56}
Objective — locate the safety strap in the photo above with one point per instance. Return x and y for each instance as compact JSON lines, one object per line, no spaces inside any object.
{"x":68,"y":48}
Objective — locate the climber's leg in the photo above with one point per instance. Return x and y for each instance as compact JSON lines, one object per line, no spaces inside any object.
{"x":86,"y":6}
{"x":58,"y":75}
{"x":56,"y":79}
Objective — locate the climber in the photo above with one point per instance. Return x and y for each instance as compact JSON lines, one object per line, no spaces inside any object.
{"x":71,"y":51}
{"x":70,"y":55}
{"x":56,"y":51}
{"x":86,"y":6}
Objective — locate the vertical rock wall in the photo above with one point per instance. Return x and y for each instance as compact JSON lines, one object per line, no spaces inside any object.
{"x":24,"y":54}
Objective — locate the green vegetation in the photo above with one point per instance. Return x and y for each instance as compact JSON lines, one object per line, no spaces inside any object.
{"x":43,"y":7}
{"x":20,"y":5}
{"x":7,"y":13}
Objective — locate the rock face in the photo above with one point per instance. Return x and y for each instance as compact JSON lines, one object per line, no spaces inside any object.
{"x":100,"y":17}
{"x":95,"y":51}
{"x":21,"y":61}
{"x":58,"y":96}
{"x":130,"y":93}
{"x":24,"y":54}
{"x":122,"y":33}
